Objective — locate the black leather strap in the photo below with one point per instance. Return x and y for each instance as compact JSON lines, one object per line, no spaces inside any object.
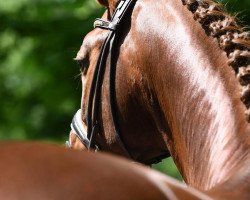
{"x":95,"y":90}
{"x":95,"y":94}
{"x":120,"y":11}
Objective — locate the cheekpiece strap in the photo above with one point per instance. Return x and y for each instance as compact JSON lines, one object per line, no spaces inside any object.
{"x":122,"y":9}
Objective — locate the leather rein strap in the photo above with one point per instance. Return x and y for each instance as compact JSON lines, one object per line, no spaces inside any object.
{"x":94,"y":101}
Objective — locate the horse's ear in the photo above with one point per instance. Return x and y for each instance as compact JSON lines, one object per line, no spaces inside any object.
{"x":113,"y":5}
{"x":103,"y":2}
{"x":110,"y":4}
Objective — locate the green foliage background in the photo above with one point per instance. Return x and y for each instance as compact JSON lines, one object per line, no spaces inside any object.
{"x":40,"y":85}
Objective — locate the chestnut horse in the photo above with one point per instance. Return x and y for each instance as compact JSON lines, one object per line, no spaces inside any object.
{"x":36,"y":171}
{"x":182,"y":88}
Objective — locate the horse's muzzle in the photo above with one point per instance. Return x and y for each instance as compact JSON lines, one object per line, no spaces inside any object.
{"x":78,"y":132}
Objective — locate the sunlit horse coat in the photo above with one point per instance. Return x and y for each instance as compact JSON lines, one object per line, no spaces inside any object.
{"x":182,"y":87}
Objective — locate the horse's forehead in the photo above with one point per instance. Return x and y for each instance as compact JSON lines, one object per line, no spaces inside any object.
{"x":92,"y":40}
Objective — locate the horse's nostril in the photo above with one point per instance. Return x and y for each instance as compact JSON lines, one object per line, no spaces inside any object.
{"x":79,"y":62}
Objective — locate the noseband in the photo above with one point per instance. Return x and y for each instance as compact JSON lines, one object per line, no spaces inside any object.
{"x":93,"y":111}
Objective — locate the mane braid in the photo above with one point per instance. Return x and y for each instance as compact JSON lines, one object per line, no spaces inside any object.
{"x":231,"y":38}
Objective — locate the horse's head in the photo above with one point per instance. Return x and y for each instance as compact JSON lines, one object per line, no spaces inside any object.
{"x":86,"y":58}
{"x":135,"y":105}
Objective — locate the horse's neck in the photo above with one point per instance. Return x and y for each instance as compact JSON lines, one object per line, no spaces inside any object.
{"x":198,"y":92}
{"x":237,"y":186}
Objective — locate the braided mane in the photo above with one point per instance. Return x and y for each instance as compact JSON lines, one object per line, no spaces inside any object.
{"x":231,"y":38}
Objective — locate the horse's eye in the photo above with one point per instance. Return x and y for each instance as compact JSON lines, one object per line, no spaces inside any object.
{"x":83,"y":65}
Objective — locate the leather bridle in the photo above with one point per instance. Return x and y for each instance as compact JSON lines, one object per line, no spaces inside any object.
{"x":93,"y":110}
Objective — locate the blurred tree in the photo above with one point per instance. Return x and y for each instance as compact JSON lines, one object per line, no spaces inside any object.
{"x":40,"y":86}
{"x":240,"y":8}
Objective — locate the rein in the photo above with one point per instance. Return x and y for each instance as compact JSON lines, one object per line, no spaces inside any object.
{"x":93,"y":110}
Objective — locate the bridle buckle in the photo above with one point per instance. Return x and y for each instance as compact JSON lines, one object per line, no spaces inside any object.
{"x":100,"y":23}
